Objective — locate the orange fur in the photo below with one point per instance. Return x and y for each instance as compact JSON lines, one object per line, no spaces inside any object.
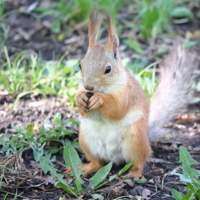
{"x":113,"y":107}
{"x":138,"y":147}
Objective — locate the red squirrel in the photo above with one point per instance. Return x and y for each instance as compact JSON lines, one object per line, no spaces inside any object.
{"x":113,"y":107}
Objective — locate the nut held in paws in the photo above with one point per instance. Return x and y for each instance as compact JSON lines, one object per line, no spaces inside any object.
{"x":89,"y":94}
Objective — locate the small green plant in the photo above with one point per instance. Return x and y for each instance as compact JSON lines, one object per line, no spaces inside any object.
{"x":2,"y":6}
{"x":3,"y":27}
{"x":26,"y":74}
{"x":29,"y":138}
{"x":72,"y":160}
{"x":190,"y":176}
{"x":154,"y":17}
{"x":3,"y":35}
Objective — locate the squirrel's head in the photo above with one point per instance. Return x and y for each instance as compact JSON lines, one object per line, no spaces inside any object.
{"x":101,"y":68}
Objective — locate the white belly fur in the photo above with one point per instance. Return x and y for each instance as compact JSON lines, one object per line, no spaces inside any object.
{"x":104,"y":137}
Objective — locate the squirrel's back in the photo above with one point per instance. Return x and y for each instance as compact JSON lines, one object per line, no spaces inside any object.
{"x":173,"y":91}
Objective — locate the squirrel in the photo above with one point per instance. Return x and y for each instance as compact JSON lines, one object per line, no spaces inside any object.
{"x":115,"y":118}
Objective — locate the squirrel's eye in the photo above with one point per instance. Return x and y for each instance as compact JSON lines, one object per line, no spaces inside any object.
{"x":79,"y":66}
{"x":108,"y":70}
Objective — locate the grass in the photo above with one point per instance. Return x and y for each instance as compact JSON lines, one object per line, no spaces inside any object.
{"x":3,"y":27}
{"x":149,"y":18}
{"x":155,"y":17}
{"x":35,"y":138}
{"x":27,"y":74}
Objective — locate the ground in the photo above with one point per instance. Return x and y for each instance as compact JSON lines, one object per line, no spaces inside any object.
{"x":27,"y":33}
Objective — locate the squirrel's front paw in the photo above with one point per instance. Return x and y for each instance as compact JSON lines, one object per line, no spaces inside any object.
{"x":95,"y":101}
{"x":82,"y":102}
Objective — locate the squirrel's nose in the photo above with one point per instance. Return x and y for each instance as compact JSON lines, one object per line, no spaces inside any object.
{"x":88,"y":87}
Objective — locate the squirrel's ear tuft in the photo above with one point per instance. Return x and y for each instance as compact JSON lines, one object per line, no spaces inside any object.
{"x":94,"y":26}
{"x":115,"y":46}
{"x":113,"y":41}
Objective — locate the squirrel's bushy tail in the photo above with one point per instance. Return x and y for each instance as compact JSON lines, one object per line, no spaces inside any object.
{"x":174,"y":90}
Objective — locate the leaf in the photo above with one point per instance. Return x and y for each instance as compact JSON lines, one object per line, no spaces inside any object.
{"x":67,"y":188}
{"x":124,"y":169}
{"x":141,"y":181}
{"x":184,"y":156}
{"x":56,"y":26}
{"x":72,"y":160}
{"x":20,"y":96}
{"x":188,"y":170}
{"x":57,"y":119}
{"x":100,"y":175}
{"x":134,"y":45}
{"x":191,"y":187}
{"x":188,"y":196}
{"x":190,"y":44}
{"x":184,"y":177}
{"x":182,"y":11}
{"x":197,"y":87}
{"x":46,"y":166}
{"x":30,"y":128}
{"x":97,"y":196}
{"x":194,"y":100}
{"x":197,"y":194}
{"x":177,"y":195}
{"x":185,"y":118}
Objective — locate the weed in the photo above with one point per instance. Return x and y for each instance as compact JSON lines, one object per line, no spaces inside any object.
{"x":2,"y":6}
{"x":190,"y":176}
{"x":154,"y":17}
{"x":134,"y":45}
{"x":3,"y":27}
{"x":31,"y":138}
{"x":25,"y":75}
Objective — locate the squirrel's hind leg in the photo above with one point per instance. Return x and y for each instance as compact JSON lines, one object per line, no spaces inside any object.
{"x":137,"y":147}
{"x":90,"y":167}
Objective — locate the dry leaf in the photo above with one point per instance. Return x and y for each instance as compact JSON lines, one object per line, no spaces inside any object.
{"x":186,"y":118}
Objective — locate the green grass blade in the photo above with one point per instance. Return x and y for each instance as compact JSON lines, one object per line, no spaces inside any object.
{"x":100,"y":176}
{"x":123,"y":170}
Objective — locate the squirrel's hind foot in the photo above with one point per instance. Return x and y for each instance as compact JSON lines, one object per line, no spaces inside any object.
{"x":90,"y":168}
{"x":68,"y":171}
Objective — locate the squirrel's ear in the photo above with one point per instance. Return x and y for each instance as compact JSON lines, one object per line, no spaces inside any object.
{"x":113,"y":41}
{"x":94,"y":26}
